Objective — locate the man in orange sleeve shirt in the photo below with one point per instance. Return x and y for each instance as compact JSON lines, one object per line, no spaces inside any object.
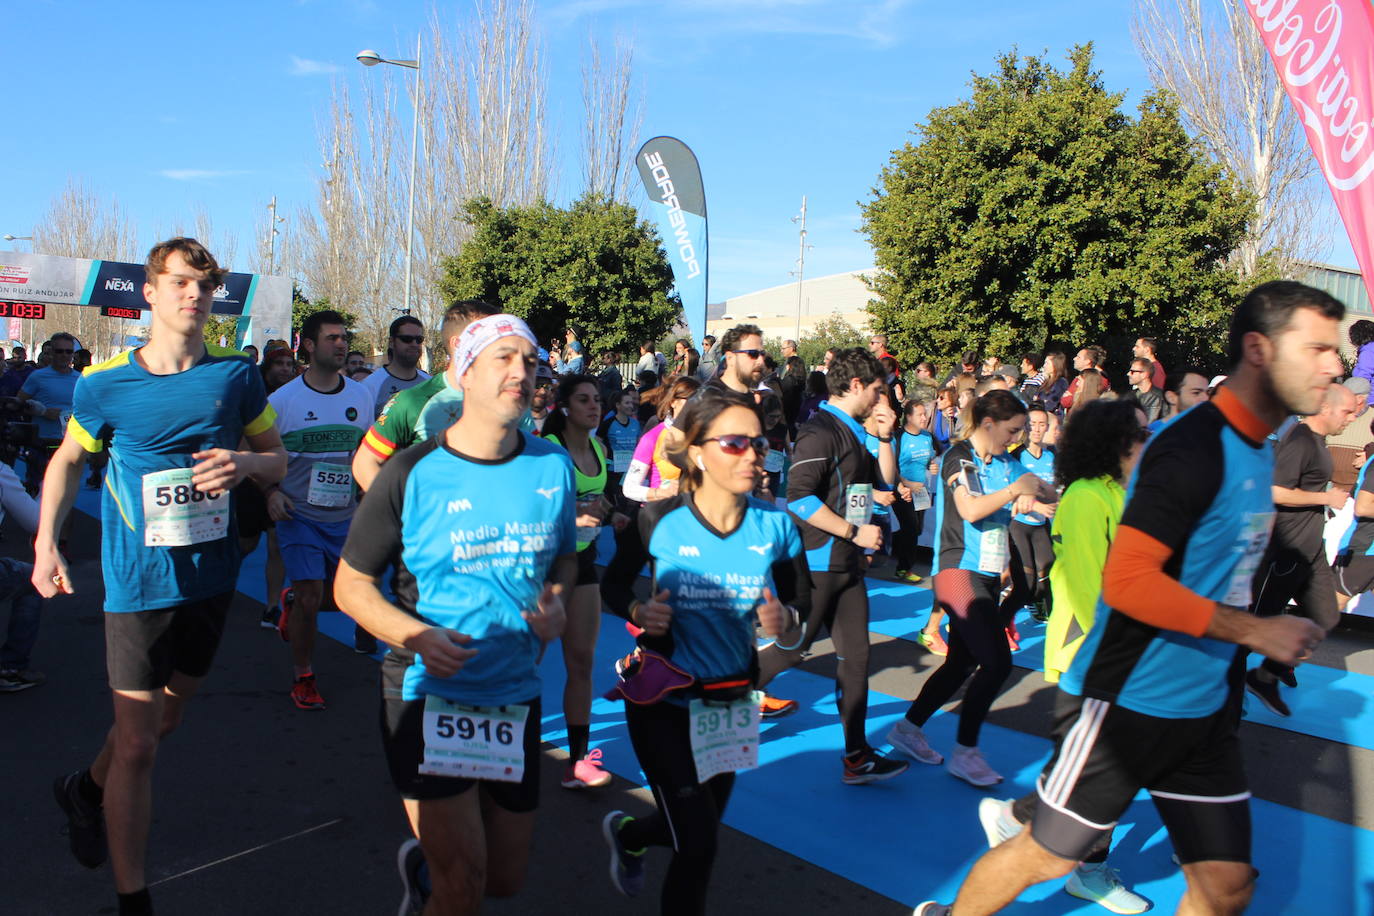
{"x":1152,"y":699}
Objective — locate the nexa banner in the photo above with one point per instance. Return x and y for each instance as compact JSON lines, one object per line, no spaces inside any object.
{"x":1323,"y":51}
{"x":264,"y":300}
{"x":672,"y":179}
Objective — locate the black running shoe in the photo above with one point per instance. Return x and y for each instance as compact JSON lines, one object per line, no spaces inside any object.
{"x":410,"y":859}
{"x":1267,"y":693}
{"x":270,"y":616}
{"x":85,"y":822}
{"x":868,"y":765}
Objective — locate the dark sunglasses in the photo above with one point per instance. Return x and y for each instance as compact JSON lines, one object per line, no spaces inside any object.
{"x":738,"y":445}
{"x":411,"y":338}
{"x":752,"y":354}
{"x":63,"y":350}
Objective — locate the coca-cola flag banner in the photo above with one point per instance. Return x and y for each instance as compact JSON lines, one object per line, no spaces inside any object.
{"x":672,"y":179}
{"x":1323,"y":51}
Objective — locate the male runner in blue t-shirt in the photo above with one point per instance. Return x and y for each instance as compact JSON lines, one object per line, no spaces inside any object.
{"x":1151,"y":700}
{"x":46,"y":395}
{"x":480,"y":524}
{"x":172,"y":414}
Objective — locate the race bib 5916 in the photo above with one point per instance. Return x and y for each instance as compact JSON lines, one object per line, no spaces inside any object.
{"x":474,"y":742}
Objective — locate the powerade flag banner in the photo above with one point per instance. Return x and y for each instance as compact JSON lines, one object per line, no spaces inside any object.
{"x":672,"y":179}
{"x":1323,"y":51}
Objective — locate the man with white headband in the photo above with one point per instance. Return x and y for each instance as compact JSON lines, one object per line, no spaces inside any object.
{"x":480,"y":524}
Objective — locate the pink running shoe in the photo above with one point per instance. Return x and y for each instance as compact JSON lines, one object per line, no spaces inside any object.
{"x":586,"y":773}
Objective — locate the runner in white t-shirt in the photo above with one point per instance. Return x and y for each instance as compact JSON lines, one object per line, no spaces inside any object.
{"x":323,"y":417}
{"x":402,"y":370}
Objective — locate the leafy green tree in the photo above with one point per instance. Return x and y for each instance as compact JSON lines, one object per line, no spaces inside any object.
{"x":829,"y":332}
{"x":302,"y":308}
{"x":594,"y":265}
{"x":217,"y":326}
{"x":1039,"y":212}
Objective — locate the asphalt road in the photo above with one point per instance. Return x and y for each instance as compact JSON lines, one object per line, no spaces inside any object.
{"x":263,"y":808}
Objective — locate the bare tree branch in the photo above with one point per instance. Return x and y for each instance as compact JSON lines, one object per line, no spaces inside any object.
{"x":80,"y":224}
{"x":614,"y":114}
{"x":349,"y":248}
{"x":1209,"y":54}
{"x":483,"y":132}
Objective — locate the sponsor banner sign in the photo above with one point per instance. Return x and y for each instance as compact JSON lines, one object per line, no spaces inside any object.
{"x":672,"y":179}
{"x":1323,"y":51}
{"x":40,"y":278}
{"x":266,"y":300}
{"x":118,"y":284}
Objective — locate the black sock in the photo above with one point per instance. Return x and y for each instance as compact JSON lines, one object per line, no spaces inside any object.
{"x":90,"y":792}
{"x":139,"y":903}
{"x":578,"y":736}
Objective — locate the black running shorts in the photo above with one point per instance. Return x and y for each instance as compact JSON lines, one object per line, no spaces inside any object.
{"x":403,"y":740}
{"x":1105,"y":754}
{"x":250,"y":508}
{"x":1354,"y":574}
{"x":586,"y":567}
{"x":143,"y":648}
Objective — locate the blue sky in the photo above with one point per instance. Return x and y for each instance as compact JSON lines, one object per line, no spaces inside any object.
{"x":167,"y":106}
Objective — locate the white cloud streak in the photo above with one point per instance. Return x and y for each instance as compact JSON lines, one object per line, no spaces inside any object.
{"x":199,"y":174}
{"x":874,"y":21}
{"x":301,"y":66}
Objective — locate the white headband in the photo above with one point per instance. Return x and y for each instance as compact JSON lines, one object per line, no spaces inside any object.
{"x":484,"y":332}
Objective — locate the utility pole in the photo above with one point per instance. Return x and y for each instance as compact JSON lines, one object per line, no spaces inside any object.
{"x":799,"y":273}
{"x":272,"y":221}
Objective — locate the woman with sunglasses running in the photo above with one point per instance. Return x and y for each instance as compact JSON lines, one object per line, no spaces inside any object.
{"x":979,"y":488}
{"x":720,"y":559}
{"x":571,"y":424}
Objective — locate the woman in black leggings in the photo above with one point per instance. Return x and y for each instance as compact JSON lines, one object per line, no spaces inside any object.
{"x":979,"y":488}
{"x":719,"y":560}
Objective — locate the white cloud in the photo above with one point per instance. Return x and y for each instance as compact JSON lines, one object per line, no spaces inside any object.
{"x":199,"y":174}
{"x":872,"y":21}
{"x":301,"y":66}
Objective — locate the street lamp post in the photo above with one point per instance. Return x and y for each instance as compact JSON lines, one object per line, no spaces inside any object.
{"x":370,"y":58}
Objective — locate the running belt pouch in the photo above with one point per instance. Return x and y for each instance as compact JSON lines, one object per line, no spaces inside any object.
{"x":726,"y":689}
{"x":649,"y":678}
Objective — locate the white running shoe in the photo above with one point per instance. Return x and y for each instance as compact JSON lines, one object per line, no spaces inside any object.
{"x":910,"y":740}
{"x":1102,"y":885}
{"x":998,"y":822}
{"x":968,"y":764}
